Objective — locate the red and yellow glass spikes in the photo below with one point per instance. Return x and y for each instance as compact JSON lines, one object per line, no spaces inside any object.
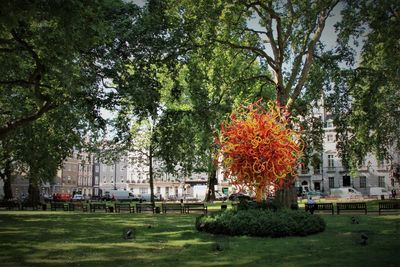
{"x":259,"y":148}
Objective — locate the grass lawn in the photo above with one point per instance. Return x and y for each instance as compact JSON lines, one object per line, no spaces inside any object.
{"x":44,"y":238}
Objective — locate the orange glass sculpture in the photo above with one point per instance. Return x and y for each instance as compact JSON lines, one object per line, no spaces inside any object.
{"x":259,"y":149}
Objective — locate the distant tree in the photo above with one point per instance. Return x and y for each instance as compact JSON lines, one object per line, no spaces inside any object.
{"x":145,"y":147}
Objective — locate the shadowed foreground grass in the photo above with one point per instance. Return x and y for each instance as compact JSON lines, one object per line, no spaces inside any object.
{"x":87,"y":239}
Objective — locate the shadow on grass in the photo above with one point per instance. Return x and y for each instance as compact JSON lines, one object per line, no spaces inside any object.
{"x":84,"y":239}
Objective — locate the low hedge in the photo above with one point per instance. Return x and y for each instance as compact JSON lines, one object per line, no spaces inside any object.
{"x":264,"y":223}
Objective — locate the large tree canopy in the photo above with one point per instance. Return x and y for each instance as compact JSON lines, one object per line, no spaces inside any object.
{"x":60,"y":54}
{"x":284,"y":38}
{"x":61,"y":62}
{"x":366,"y":102}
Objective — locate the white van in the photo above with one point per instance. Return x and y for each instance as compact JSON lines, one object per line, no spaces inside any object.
{"x":121,"y":195}
{"x":378,"y":192}
{"x":345,"y":192}
{"x":147,"y":197}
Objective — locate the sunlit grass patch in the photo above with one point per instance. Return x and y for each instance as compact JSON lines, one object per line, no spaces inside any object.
{"x":83,"y":239}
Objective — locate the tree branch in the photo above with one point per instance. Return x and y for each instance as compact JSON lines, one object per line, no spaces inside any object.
{"x":324,"y":14}
{"x":253,"y":49}
{"x":23,"y":121}
{"x":254,"y":31}
{"x":257,"y":77}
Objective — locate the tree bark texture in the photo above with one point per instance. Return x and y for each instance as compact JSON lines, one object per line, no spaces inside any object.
{"x":6,"y":177}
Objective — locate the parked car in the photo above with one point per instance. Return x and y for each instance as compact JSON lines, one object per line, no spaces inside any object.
{"x":121,"y":195}
{"x":315,"y":195}
{"x":47,"y":198}
{"x":220,"y":196}
{"x":345,"y":192}
{"x":147,"y":197}
{"x":78,"y":197}
{"x":239,"y":196}
{"x":62,"y":197}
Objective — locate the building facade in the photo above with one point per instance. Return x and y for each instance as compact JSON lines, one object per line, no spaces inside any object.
{"x":330,"y":172}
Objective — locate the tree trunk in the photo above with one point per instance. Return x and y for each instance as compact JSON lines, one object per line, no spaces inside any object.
{"x":212,"y":180}
{"x":151,"y":175}
{"x":286,"y":197}
{"x":6,"y":177}
{"x":33,"y":192}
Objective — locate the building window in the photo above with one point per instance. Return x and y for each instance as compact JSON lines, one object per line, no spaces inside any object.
{"x":167,"y":191}
{"x":346,"y":180}
{"x":331,"y":163}
{"x":381,"y":181}
{"x":329,"y":138}
{"x":329,"y":124}
{"x":158,"y":190}
{"x":331,"y":182}
{"x":363,"y":182}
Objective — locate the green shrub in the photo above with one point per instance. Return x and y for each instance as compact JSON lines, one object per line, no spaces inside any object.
{"x":258,"y":222}
{"x":264,"y":205}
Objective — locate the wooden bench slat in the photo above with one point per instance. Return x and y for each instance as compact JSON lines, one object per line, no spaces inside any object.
{"x":10,"y":205}
{"x":72,"y":206}
{"x":172,"y":206}
{"x":195,"y":207}
{"x":390,"y":206}
{"x":124,"y":207}
{"x":144,"y":207}
{"x":319,"y":206}
{"x":351,"y":206}
{"x":58,"y":205}
{"x":97,"y":206}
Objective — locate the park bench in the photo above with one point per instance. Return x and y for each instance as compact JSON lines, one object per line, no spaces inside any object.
{"x":124,"y":207}
{"x":144,"y":207}
{"x":390,"y":206}
{"x":319,"y":206}
{"x":58,"y":205}
{"x":10,"y":205}
{"x":72,"y":206}
{"x":351,"y":206}
{"x":172,"y":206}
{"x":97,"y":206}
{"x":28,"y":205}
{"x":195,"y":207}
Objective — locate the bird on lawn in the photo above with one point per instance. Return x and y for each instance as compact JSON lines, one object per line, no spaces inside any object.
{"x":364,"y":239}
{"x":218,"y":247}
{"x":353,"y":220}
{"x":130,"y":233}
